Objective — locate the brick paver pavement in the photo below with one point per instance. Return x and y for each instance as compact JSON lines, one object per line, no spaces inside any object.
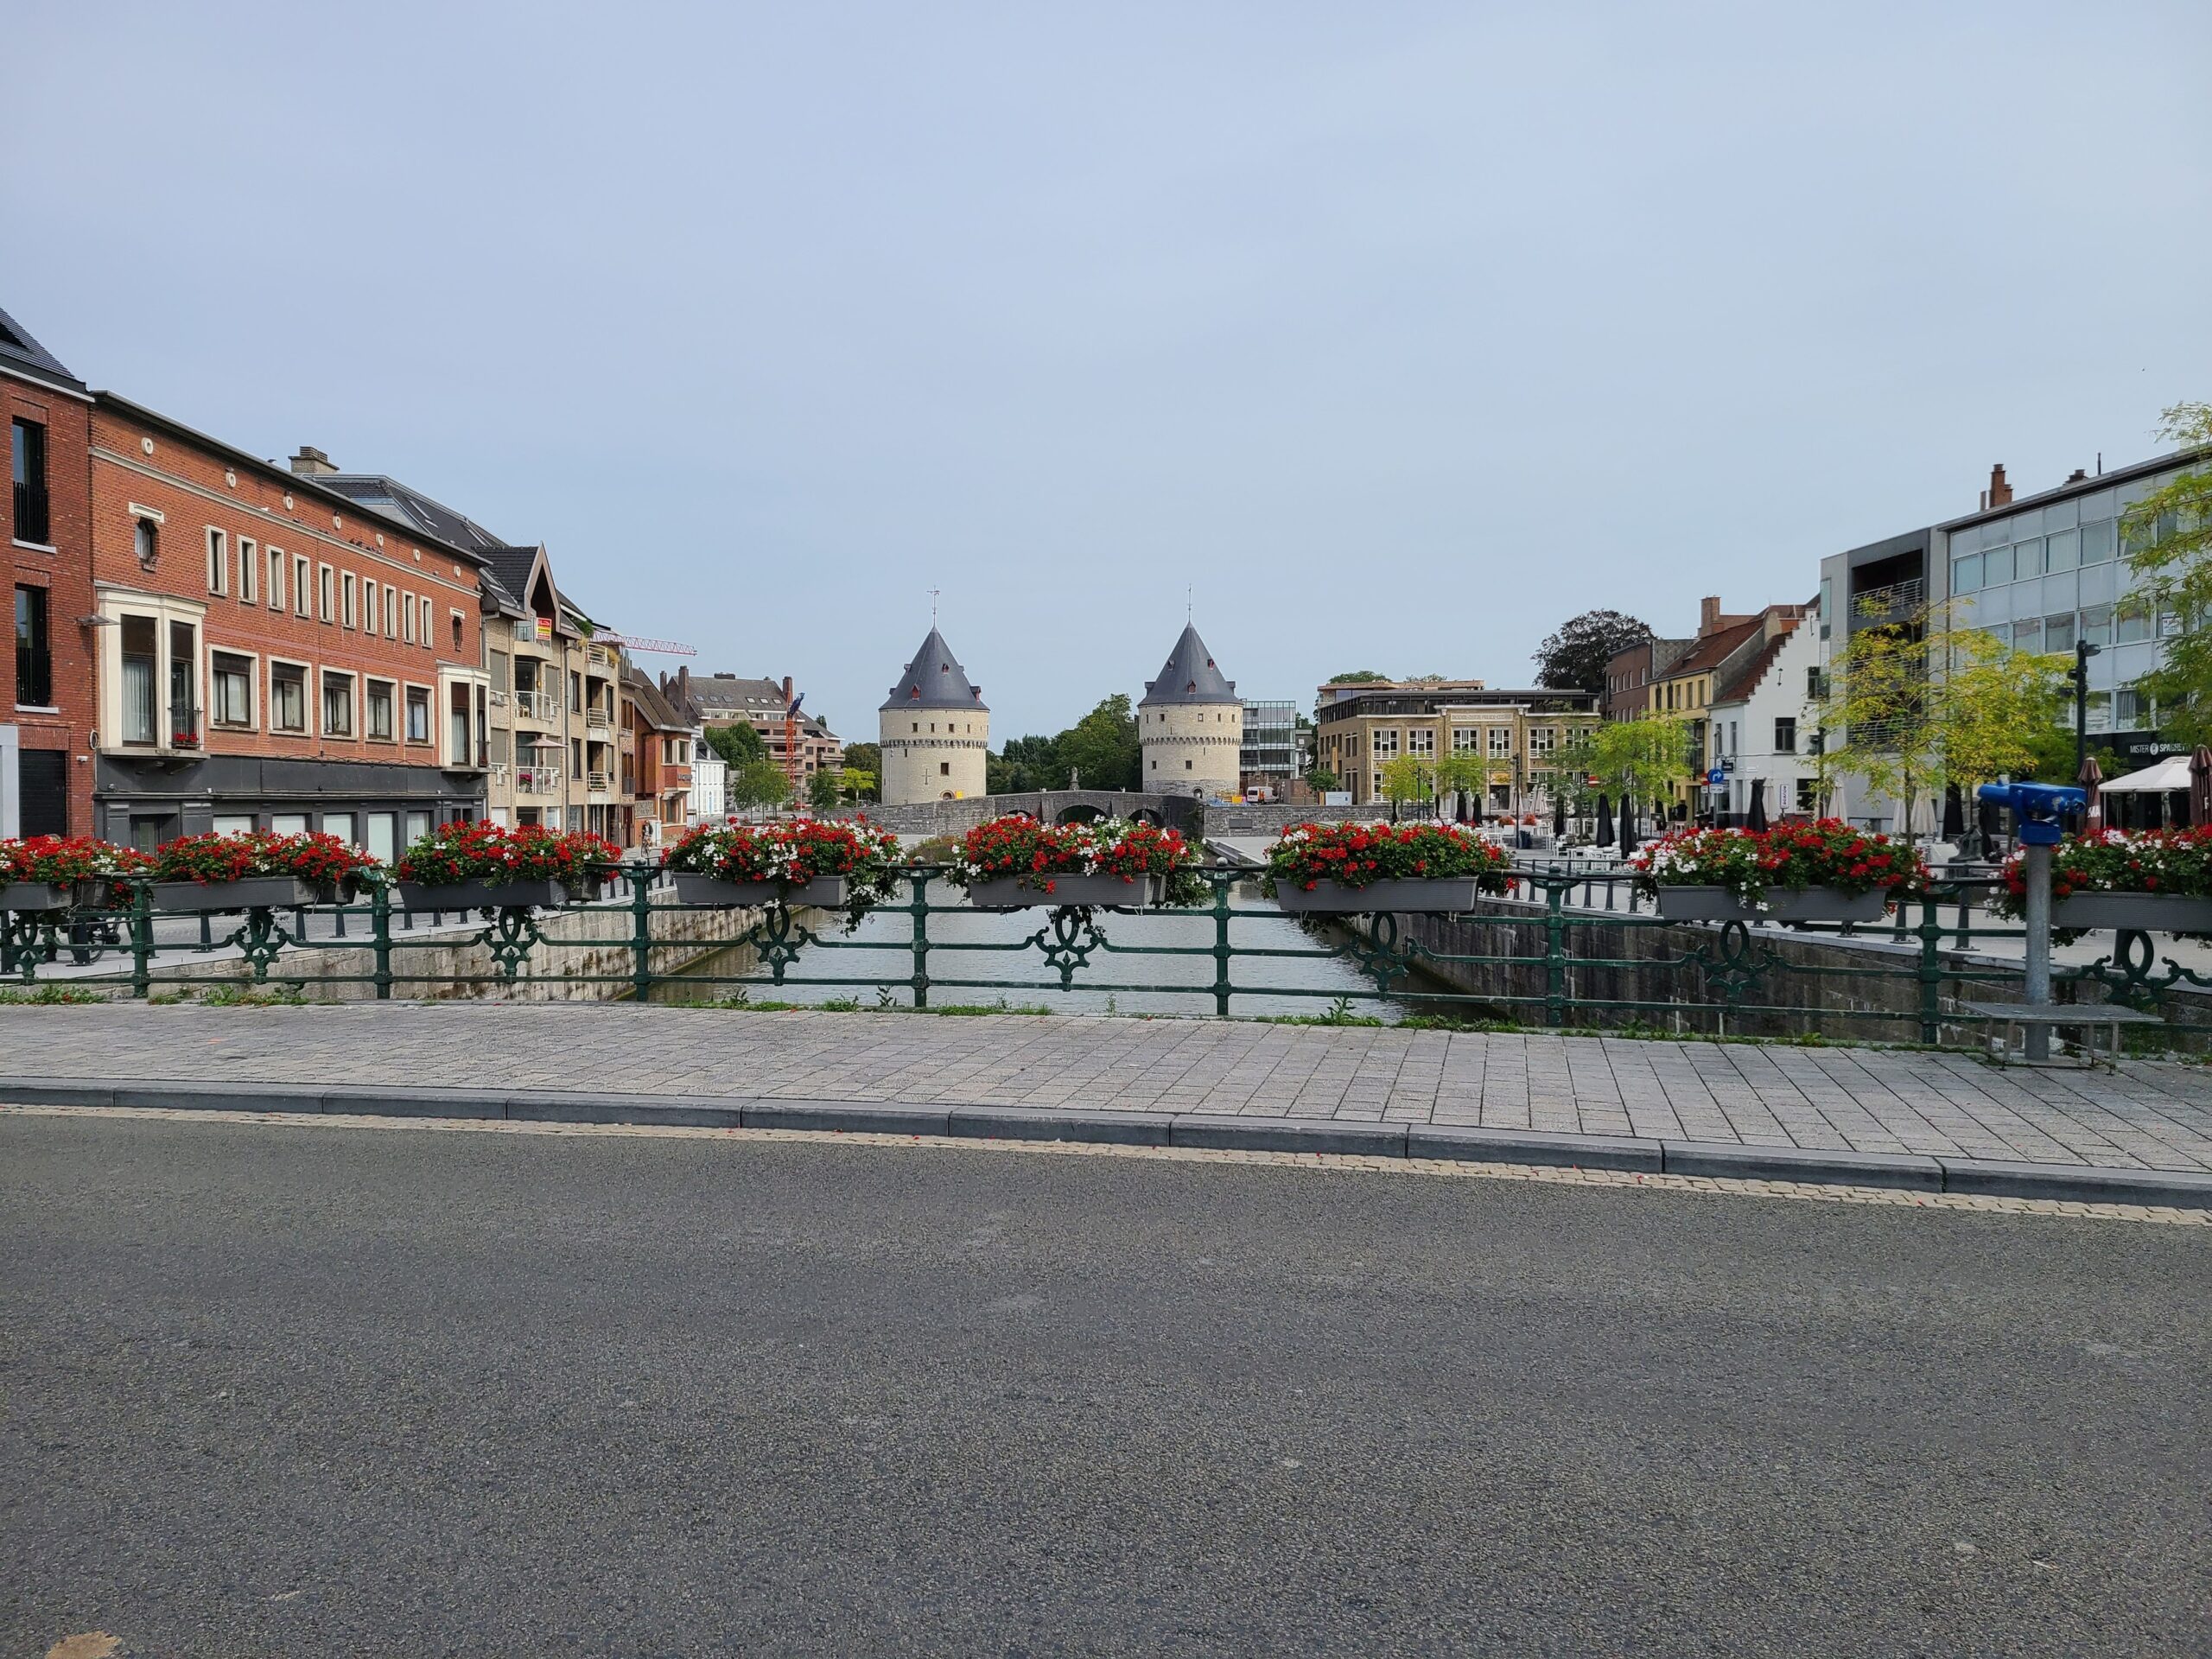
{"x":2146,"y":1115}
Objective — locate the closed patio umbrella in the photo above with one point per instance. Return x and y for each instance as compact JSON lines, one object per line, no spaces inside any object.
{"x":1559,"y":814}
{"x":2200,"y":786}
{"x":1605,"y":821}
{"x":1756,"y":816}
{"x":1955,"y":814}
{"x":2092,"y":775}
{"x":1628,"y":825}
{"x":1986,"y":815}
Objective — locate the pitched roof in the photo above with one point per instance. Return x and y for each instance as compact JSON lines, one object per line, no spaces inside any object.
{"x":1746,"y":680}
{"x":1711,"y":651}
{"x":18,"y":351}
{"x":1190,"y":675}
{"x":639,"y":687}
{"x":934,"y":680}
{"x":395,"y":500}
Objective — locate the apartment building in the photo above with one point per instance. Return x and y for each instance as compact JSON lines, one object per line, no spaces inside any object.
{"x":730,"y":699}
{"x":657,"y":778}
{"x":46,"y":773}
{"x":1359,"y":728}
{"x":268,"y":653}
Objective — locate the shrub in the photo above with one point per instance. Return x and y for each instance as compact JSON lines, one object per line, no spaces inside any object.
{"x":2177,"y":862}
{"x":65,"y":860}
{"x":322,"y":861}
{"x":793,"y":852}
{"x":1827,"y":853}
{"x":1033,"y":854}
{"x":484,"y":851}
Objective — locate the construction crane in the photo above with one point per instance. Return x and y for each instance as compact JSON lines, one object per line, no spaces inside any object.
{"x":654,"y":647}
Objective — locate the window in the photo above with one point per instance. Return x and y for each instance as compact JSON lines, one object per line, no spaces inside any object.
{"x":368,"y":610}
{"x":339,"y":824}
{"x":230,"y":686}
{"x":1463,"y":739}
{"x":1785,"y":735}
{"x":249,"y":570}
{"x":337,"y":705}
{"x":455,"y":618}
{"x":276,"y":578}
{"x":425,"y":633}
{"x":232,"y":823}
{"x":218,"y":562}
{"x":418,"y":715}
{"x":1386,"y":742}
{"x":1997,"y":563}
{"x":146,"y":542}
{"x":2099,"y":541}
{"x":418,"y":825}
{"x":303,"y":588}
{"x":2063,"y":552}
{"x":383,"y":837}
{"x":2096,"y":623}
{"x":944,"y":768}
{"x":347,"y":615}
{"x":457,"y":724}
{"x":1501,"y":741}
{"x":287,"y":697}
{"x":1806,"y":800}
{"x":390,"y":611}
{"x":1543,"y":740}
{"x":184,"y":685}
{"x":139,"y":660}
{"x":407,"y":618}
{"x":2028,"y":636}
{"x":326,"y":606}
{"x":380,"y":711}
{"x":34,"y":655}
{"x":2132,"y":620}
{"x":2057,"y":633}
{"x":29,"y":463}
{"x":1421,"y":741}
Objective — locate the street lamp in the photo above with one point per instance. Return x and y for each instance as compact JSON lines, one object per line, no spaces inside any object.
{"x":2079,"y":674}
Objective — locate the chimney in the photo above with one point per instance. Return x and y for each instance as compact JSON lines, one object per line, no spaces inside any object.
{"x":1708,"y":613}
{"x":312,"y":463}
{"x":1999,"y":493}
{"x":2079,"y":475}
{"x":787,"y":691}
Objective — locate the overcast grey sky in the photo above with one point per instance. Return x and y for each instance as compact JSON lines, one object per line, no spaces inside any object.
{"x":1399,"y":332}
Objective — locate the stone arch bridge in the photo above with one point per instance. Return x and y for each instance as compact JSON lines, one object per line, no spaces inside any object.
{"x":1049,"y":806}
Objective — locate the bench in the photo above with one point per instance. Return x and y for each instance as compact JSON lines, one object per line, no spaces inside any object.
{"x":2089,"y":1018}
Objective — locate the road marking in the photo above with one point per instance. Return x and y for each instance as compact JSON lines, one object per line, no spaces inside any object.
{"x":1811,"y":1191}
{"x":93,"y":1644}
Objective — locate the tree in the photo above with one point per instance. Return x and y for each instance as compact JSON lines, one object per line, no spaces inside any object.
{"x":1463,"y":773}
{"x":1642,"y":759}
{"x":738,"y":744}
{"x":1406,"y":778}
{"x":1358,"y":677}
{"x":1321,"y":780}
{"x":1027,"y":764}
{"x":1918,"y":705}
{"x":2168,"y":536}
{"x":856,"y":784}
{"x":821,"y":789}
{"x":759,"y":783}
{"x":1574,"y":658}
{"x":865,"y":758}
{"x":1103,"y":748}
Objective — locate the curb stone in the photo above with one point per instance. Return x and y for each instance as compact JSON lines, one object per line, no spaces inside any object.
{"x":2075,"y":1183}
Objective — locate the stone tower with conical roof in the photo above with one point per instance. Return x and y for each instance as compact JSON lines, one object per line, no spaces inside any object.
{"x":1191,"y":724}
{"x":933,"y":729}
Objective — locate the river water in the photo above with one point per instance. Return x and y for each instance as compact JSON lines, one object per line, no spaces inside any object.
{"x":879,"y":953}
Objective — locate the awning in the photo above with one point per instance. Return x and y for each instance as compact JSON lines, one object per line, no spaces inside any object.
{"x":2169,"y":774}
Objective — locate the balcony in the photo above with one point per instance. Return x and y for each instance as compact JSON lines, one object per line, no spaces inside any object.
{"x":538,"y":780}
{"x":498,"y":699}
{"x":526,"y":634}
{"x":602,"y":657}
{"x":1880,"y":603}
{"x":601,"y":781}
{"x":543,"y":707}
{"x":597,"y":718}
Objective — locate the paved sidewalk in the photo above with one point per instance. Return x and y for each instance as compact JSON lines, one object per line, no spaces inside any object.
{"x":1843,"y":1100}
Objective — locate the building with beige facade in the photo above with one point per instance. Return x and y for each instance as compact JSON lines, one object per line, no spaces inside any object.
{"x":934,"y":729}
{"x":1514,"y":736}
{"x":1191,"y":725}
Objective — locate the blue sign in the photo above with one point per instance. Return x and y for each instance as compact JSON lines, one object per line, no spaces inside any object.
{"x":1716,"y":777}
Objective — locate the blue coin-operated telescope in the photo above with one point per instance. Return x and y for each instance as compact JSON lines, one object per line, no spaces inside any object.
{"x":2036,"y":808}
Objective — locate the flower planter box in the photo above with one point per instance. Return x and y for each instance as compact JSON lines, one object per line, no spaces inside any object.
{"x":542,"y":891}
{"x":2145,"y":913}
{"x":39,"y":895}
{"x":277,"y":892}
{"x":1403,"y":895}
{"x":1688,"y":903}
{"x":826,"y":892}
{"x":1099,"y":892}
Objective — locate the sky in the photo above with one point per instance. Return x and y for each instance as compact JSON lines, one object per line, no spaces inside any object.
{"x":1391,"y":335}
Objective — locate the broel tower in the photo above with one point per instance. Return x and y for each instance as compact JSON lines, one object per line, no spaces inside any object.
{"x":934,"y":728}
{"x":1191,"y":724}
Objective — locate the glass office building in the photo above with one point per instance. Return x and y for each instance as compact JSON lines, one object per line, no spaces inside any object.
{"x":1269,"y":759}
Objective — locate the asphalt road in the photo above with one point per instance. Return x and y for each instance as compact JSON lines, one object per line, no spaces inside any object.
{"x":273,"y":1390}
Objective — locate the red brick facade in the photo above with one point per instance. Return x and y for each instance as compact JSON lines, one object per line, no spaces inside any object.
{"x":327,"y":705}
{"x":58,"y":566}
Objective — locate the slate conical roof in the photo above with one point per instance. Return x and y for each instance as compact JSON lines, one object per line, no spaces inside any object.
{"x":1189,"y":675}
{"x":934,"y":680}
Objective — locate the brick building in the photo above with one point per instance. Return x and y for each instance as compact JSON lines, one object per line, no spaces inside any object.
{"x":269,"y":655}
{"x":46,"y":773}
{"x":730,"y":699}
{"x":656,"y":770}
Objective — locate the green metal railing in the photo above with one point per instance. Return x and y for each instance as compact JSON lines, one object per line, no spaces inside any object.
{"x":1568,"y":947}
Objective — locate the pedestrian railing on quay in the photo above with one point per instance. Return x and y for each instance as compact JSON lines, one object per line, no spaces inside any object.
{"x":1566,"y":946}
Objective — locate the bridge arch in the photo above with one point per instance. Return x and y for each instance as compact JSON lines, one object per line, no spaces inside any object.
{"x":1078,"y":813}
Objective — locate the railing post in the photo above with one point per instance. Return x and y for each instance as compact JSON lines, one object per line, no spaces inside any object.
{"x":1222,"y":880}
{"x":641,"y":932}
{"x":380,"y":937}
{"x":1931,"y":966}
{"x":141,"y":940}
{"x":917,"y":907}
{"x":1554,"y":957}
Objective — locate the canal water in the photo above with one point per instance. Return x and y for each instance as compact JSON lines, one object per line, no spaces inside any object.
{"x":879,"y":954}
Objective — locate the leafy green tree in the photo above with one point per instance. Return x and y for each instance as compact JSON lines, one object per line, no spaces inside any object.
{"x":1642,"y":759}
{"x":1027,"y":764}
{"x":2168,"y":536}
{"x":865,"y":758}
{"x":1574,"y":657}
{"x":1321,"y":780}
{"x":1406,"y":778}
{"x":1358,"y":677}
{"x":856,"y":786}
{"x":1464,"y":773}
{"x":821,"y":789}
{"x":738,"y":744}
{"x":1103,"y":747}
{"x":759,"y":783}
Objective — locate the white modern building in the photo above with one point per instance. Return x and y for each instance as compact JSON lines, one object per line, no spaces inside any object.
{"x":1759,"y":726}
